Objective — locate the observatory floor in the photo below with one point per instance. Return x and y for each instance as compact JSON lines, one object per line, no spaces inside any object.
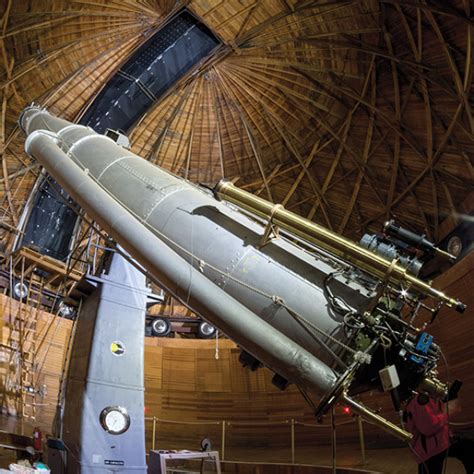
{"x":390,"y":461}
{"x":386,"y":460}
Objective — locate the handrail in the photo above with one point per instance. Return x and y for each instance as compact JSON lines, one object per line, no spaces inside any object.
{"x":292,"y":423}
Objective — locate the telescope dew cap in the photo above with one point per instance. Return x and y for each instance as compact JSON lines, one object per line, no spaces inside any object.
{"x":219,"y":186}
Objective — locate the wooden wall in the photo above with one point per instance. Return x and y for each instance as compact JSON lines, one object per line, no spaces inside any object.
{"x":454,"y":332}
{"x":264,"y":468}
{"x":52,"y":335}
{"x":185,"y":382}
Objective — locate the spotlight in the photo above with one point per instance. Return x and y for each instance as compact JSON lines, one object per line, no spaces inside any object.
{"x":280,"y":382}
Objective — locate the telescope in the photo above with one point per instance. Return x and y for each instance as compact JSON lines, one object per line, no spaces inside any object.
{"x":323,"y":312}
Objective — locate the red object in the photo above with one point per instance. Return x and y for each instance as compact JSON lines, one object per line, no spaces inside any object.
{"x":346,"y":410}
{"x":37,"y":439}
{"x":428,"y":422}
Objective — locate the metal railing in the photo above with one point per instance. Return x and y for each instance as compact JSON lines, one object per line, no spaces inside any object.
{"x":226,"y":426}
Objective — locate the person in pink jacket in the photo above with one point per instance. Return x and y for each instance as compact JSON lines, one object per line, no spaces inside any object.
{"x":427,"y":420}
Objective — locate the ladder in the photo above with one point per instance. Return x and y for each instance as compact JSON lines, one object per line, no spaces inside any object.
{"x":20,"y":388}
{"x":32,"y":307}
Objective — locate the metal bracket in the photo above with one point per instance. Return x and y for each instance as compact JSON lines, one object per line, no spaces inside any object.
{"x":381,"y":287}
{"x":272,"y":231}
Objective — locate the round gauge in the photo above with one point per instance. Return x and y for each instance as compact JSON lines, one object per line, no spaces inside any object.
{"x":115,"y":420}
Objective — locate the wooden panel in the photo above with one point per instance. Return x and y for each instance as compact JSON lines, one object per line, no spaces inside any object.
{"x":212,"y":375}
{"x":154,"y":367}
{"x":51,"y":338}
{"x":454,"y":333}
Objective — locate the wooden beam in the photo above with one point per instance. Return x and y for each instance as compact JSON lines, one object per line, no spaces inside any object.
{"x":154,"y":153}
{"x":301,"y":174}
{"x":365,"y":156}
{"x":411,"y":66}
{"x":194,"y":112}
{"x":344,"y":129}
{"x":246,"y":21}
{"x":436,"y":7}
{"x":9,"y":68}
{"x":458,"y":82}
{"x":215,"y":103}
{"x":223,"y":105}
{"x":253,"y":145}
{"x":312,"y":180}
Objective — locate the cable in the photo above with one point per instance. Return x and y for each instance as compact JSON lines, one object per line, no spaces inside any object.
{"x":317,"y":329}
{"x":320,"y":331}
{"x":409,"y":350}
{"x":336,"y":301}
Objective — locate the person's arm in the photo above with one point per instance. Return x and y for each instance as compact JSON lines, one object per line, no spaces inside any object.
{"x":429,"y":419}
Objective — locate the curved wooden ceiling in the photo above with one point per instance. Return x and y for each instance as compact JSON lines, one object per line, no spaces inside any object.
{"x":348,"y":112}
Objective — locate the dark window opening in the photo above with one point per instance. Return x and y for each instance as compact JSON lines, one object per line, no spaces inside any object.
{"x":149,"y":73}
{"x":51,"y":222}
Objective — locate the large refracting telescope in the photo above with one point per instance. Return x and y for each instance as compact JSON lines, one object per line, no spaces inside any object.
{"x":332,"y":316}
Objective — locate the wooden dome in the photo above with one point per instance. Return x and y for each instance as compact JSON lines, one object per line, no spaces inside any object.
{"x":348,"y":112}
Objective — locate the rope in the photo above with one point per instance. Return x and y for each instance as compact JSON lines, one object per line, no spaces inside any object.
{"x":263,"y":423}
{"x":317,"y":329}
{"x":185,"y":422}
